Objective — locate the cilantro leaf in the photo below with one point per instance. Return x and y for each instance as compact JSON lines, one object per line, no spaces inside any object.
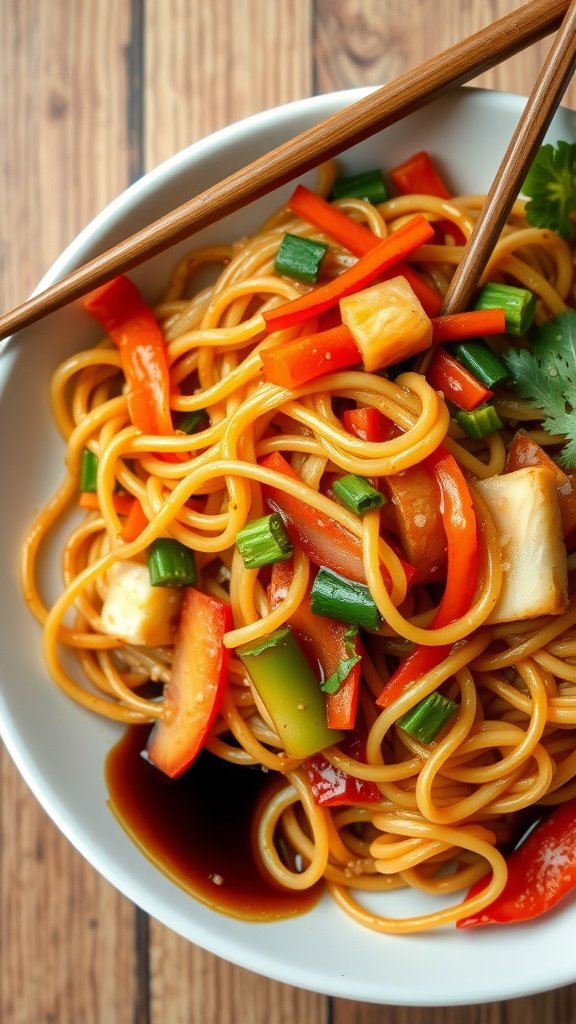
{"x":333,"y":683}
{"x":546,"y":376}
{"x":551,"y":187}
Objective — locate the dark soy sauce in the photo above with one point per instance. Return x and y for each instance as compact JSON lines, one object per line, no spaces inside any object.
{"x":198,"y":829}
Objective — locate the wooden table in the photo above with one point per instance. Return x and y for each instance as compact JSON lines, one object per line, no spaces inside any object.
{"x":94,"y":93}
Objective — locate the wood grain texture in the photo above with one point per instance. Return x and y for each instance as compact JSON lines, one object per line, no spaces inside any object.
{"x":92,"y":94}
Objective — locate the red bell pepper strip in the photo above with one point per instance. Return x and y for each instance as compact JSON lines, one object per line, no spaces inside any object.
{"x":332,"y":786}
{"x":324,"y":540}
{"x":369,"y":424}
{"x":122,"y":502}
{"x":419,"y":174}
{"x":135,"y":522}
{"x":541,"y":872}
{"x":304,"y":359}
{"x":328,"y":644}
{"x":459,"y":521}
{"x":358,"y":239}
{"x":456,"y":383}
{"x":459,"y":326}
{"x":122,"y":312}
{"x":198,"y":678}
{"x":387,"y":253}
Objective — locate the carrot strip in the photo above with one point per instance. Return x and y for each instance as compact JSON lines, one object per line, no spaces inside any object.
{"x":458,"y":326}
{"x":122,"y":502}
{"x":305,"y":359}
{"x":456,"y":383}
{"x":135,"y":522}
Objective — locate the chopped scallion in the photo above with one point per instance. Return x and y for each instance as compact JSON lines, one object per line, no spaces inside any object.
{"x":425,"y":720}
{"x":191,"y":422}
{"x":171,"y":564}
{"x":368,"y":185}
{"x":264,"y":541}
{"x":339,"y":598}
{"x":357,"y":494}
{"x":479,"y":422}
{"x":518,"y":304}
{"x":300,"y":258}
{"x":88,"y":471}
{"x":486,"y":366}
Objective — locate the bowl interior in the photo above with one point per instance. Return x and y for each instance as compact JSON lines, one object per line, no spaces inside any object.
{"x":60,"y":749}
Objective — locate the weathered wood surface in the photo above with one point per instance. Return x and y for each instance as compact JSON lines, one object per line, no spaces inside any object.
{"x":93,"y":94}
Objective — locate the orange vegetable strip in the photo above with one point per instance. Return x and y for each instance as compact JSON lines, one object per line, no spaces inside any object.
{"x":304,"y":359}
{"x":122,"y":502}
{"x":385,"y":254}
{"x":456,"y":383}
{"x":135,"y":522}
{"x":458,"y":326}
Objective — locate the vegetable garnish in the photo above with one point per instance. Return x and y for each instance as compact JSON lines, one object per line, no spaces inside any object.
{"x":333,"y":682}
{"x":170,"y":563}
{"x":290,"y":692}
{"x":481,"y":361}
{"x":88,"y":471}
{"x":479,"y":422}
{"x":343,"y":599}
{"x":428,"y":717}
{"x":368,"y":185}
{"x":551,"y":187}
{"x":300,"y":258}
{"x":357,"y":494}
{"x":264,"y":541}
{"x":456,"y":383}
{"x":546,"y":375}
{"x":541,"y":871}
{"x":518,"y":304}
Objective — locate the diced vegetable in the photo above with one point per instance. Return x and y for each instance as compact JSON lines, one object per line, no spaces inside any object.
{"x":418,"y":174}
{"x":88,"y":471}
{"x":170,"y":563}
{"x":524,"y":451}
{"x":290,"y":692}
{"x":385,"y":254}
{"x":414,"y":501}
{"x":518,"y":304}
{"x":369,"y":424}
{"x":482,"y":362}
{"x":264,"y":541}
{"x":343,"y":599}
{"x":300,"y":258}
{"x":541,"y":872}
{"x":122,"y":312}
{"x":387,"y":322}
{"x":332,"y":786}
{"x":357,"y":493}
{"x":479,"y":422}
{"x":368,"y":185}
{"x":457,"y":384}
{"x":524,"y":507}
{"x":198,"y":679}
{"x":135,"y":611}
{"x":428,"y":717}
{"x":304,"y":359}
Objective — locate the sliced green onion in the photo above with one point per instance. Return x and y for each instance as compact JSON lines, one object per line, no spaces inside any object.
{"x":425,"y":720}
{"x":191,"y":422}
{"x":88,"y":471}
{"x":339,"y":598}
{"x":357,"y":494}
{"x":300,"y":258}
{"x":518,"y":304}
{"x":477,"y":357}
{"x":288,"y":688}
{"x":264,"y":541}
{"x":479,"y":422}
{"x":369,"y":186}
{"x":171,"y":564}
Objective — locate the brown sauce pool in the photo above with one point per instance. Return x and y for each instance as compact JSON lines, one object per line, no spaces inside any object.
{"x":198,"y":829}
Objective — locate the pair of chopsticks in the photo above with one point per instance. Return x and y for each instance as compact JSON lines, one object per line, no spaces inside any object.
{"x":344,"y":129}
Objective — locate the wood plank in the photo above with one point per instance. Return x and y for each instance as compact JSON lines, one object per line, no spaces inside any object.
{"x":66,"y":937}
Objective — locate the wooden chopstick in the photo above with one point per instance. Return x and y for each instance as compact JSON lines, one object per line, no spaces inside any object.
{"x":383,"y":107}
{"x":540,"y":108}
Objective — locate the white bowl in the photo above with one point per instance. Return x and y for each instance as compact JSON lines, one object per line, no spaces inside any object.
{"x":60,"y":749}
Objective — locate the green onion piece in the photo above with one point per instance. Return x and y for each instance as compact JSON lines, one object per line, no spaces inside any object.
{"x":88,"y":471}
{"x":300,"y":258}
{"x":339,"y":598}
{"x":290,"y":692}
{"x":425,"y":720}
{"x":369,"y":186}
{"x":191,"y":422}
{"x":479,"y":422}
{"x":264,"y":541}
{"x":518,"y":304}
{"x":344,"y":667}
{"x":482,"y":362}
{"x":357,"y":494}
{"x":171,"y":564}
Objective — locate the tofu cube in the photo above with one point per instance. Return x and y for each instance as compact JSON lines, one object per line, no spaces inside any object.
{"x":387,"y":323}
{"x":135,"y":611}
{"x":524,"y":507}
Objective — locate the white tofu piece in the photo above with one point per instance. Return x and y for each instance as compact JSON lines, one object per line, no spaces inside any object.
{"x":524,"y":507}
{"x":135,"y":611}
